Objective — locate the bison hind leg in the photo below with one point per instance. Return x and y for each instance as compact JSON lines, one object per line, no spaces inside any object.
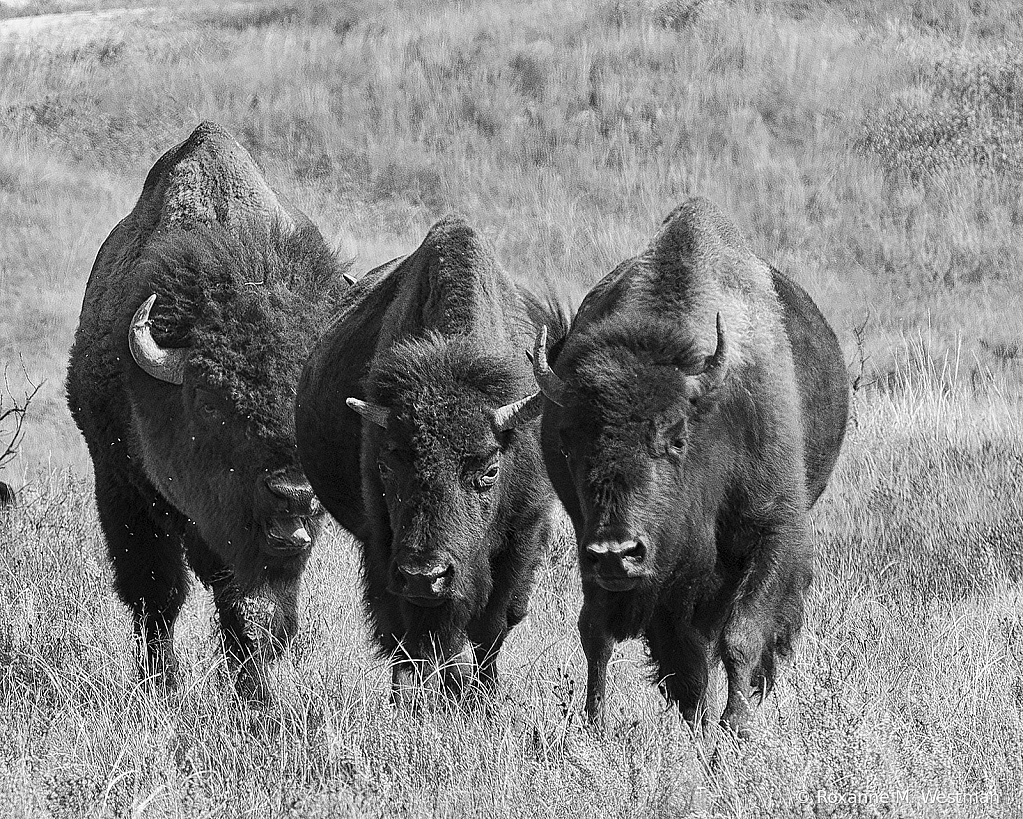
{"x":679,"y":655}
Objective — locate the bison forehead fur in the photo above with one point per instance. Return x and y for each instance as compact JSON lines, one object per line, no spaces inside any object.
{"x":630,"y":367}
{"x":435,"y":382}
{"x":244,"y":305}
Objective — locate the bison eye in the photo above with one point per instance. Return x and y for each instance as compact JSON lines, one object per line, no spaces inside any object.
{"x":486,"y":479}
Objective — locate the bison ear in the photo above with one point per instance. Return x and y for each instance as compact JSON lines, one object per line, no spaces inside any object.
{"x":210,"y":178}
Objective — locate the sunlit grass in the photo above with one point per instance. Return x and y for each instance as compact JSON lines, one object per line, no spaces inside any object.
{"x":565,"y":131}
{"x":909,"y":674}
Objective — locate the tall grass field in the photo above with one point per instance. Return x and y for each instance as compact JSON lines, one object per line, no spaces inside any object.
{"x":872,"y":150}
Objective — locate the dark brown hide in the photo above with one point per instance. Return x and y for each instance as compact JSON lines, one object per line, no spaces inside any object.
{"x":205,"y":470}
{"x":690,"y":502}
{"x":452,"y":512}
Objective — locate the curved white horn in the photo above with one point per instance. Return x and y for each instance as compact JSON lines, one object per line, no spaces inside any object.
{"x":550,"y":384}
{"x":716,"y":367}
{"x":520,"y":412}
{"x":371,"y":412}
{"x":164,"y":363}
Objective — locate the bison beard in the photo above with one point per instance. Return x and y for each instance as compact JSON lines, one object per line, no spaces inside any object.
{"x":432,"y":461}
{"x":193,"y":331}
{"x":688,"y":470}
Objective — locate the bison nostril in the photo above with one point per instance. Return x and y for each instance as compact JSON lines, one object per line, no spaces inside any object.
{"x":297,"y":491}
{"x":636,"y":552}
{"x":616,"y":552}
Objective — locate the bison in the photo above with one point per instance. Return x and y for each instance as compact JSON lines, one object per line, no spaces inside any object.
{"x":6,"y":495}
{"x":197,"y":317}
{"x":696,"y":407}
{"x":416,"y":426}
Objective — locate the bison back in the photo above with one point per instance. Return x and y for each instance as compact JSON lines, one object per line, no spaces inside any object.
{"x":822,"y":380}
{"x":328,"y":432}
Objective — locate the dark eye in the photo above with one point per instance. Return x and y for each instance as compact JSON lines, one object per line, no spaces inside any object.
{"x":210,"y":411}
{"x":487,"y":478}
{"x":208,"y":403}
{"x":678,"y":443}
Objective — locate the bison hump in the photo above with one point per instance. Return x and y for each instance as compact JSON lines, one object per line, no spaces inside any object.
{"x":210,"y":178}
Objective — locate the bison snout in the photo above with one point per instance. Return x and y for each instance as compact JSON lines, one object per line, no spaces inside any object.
{"x":297,"y":495}
{"x":615,"y":564}
{"x":424,"y":585}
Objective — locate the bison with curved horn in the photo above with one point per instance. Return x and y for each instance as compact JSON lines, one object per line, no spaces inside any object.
{"x":416,"y":426}
{"x":198,"y":315}
{"x":695,"y":410}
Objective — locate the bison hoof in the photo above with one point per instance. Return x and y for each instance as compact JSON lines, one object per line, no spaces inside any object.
{"x":736,"y":724}
{"x":159,"y":676}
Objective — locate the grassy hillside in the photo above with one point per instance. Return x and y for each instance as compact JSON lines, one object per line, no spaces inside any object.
{"x":872,"y":150}
{"x":874,"y":155}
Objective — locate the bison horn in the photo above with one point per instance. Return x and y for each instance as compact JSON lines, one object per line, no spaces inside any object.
{"x":550,"y":384}
{"x":371,"y":412}
{"x":716,"y":365}
{"x":165,"y":363}
{"x":520,"y":412}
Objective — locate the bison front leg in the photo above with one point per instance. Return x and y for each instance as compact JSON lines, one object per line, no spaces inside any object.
{"x":680,"y":654}
{"x":598,"y":644}
{"x":284,"y":626}
{"x":239,"y":648}
{"x":143,"y":536}
{"x":765,"y":619}
{"x":458,"y":672}
{"x":508,"y":605}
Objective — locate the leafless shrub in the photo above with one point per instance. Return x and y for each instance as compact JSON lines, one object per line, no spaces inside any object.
{"x":12,"y":420}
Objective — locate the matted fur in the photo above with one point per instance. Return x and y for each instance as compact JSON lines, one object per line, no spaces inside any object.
{"x":714,"y":487}
{"x":242,"y":282}
{"x":436,"y":339}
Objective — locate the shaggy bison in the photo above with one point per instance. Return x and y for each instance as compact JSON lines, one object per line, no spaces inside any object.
{"x":197,"y":318}
{"x":414,"y":426}
{"x":696,"y":409}
{"x":6,"y":495}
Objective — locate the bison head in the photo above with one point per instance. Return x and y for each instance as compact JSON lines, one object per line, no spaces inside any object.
{"x":634,"y":437}
{"x":445,"y":441}
{"x":218,"y":347}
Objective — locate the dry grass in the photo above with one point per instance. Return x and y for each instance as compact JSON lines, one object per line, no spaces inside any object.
{"x":832,"y":133}
{"x":906,"y":687}
{"x":565,"y":130}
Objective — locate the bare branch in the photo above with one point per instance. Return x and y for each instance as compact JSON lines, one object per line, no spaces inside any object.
{"x":14,"y":415}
